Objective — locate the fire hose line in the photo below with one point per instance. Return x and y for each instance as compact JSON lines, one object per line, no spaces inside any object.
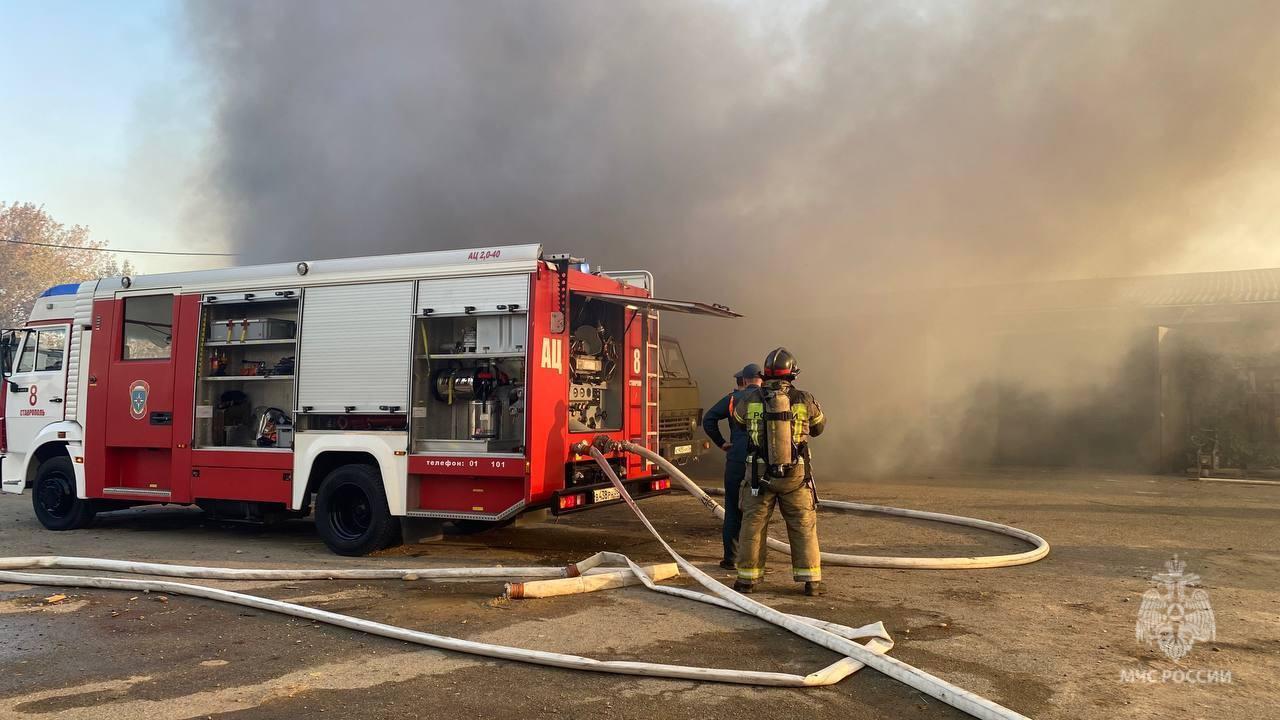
{"x":935,"y":687}
{"x":877,"y":638}
{"x":588,"y":583}
{"x":595,"y":575}
{"x":1040,"y":546}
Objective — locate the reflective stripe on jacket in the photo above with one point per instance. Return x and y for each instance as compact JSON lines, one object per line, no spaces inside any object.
{"x":807,"y":419}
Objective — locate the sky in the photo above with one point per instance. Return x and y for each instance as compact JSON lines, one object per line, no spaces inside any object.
{"x":106,"y":123}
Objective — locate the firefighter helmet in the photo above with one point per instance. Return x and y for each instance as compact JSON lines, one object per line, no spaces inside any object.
{"x":780,"y":365}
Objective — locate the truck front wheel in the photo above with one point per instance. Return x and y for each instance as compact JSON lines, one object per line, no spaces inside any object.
{"x":351,"y":512}
{"x":53,"y":495}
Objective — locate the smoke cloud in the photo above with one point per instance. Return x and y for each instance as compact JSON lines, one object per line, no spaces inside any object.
{"x":789,"y":160}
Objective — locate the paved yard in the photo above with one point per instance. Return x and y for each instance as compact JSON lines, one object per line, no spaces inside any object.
{"x":1051,"y":640}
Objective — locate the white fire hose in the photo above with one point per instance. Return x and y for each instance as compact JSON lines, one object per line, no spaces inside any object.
{"x":877,"y":639}
{"x":952,"y":695}
{"x":588,"y":583}
{"x":1040,"y":547}
{"x":586,"y":576}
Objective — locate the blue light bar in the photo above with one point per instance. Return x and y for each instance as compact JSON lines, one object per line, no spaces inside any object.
{"x":63,"y":289}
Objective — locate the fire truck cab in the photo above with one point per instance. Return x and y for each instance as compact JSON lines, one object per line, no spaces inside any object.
{"x":447,"y":385}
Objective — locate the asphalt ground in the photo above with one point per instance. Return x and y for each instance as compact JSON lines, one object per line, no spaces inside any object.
{"x":1051,"y":640}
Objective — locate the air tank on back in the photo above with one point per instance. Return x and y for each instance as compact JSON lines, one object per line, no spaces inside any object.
{"x":777,"y":414}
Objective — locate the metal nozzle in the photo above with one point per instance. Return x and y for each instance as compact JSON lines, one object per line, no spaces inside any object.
{"x":603,"y":442}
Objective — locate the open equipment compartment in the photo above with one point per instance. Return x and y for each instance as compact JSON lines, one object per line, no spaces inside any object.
{"x":245,"y":369}
{"x":596,"y":332}
{"x":470,"y":346}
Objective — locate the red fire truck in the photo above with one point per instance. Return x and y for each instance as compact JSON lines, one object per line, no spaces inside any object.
{"x":446,"y":385}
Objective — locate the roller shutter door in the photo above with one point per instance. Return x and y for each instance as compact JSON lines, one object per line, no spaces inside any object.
{"x":354,"y":354}
{"x":484,"y":295}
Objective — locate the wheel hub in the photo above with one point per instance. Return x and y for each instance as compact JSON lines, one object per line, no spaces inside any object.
{"x":55,"y":495}
{"x":351,"y":512}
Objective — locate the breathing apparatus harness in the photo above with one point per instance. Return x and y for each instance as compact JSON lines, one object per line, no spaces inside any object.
{"x":780,"y":452}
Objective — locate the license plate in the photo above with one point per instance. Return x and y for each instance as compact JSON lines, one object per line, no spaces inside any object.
{"x":606,"y":494}
{"x":682,"y":450}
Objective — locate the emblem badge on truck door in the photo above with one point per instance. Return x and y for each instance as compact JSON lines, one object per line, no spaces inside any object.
{"x":138,"y":393}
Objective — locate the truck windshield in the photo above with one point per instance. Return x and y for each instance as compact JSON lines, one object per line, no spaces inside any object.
{"x":673,"y":360}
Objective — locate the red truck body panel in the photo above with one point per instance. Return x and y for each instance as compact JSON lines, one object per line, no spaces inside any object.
{"x":145,"y":453}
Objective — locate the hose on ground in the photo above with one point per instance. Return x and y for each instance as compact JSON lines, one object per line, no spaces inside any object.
{"x":1236,"y":481}
{"x":931,"y":685}
{"x":587,"y":583}
{"x":49,"y":562}
{"x":833,"y":636}
{"x":876,"y":637}
{"x":1040,"y":546}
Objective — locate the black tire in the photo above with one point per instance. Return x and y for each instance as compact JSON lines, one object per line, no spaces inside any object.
{"x":53,"y":496}
{"x":351,"y":512}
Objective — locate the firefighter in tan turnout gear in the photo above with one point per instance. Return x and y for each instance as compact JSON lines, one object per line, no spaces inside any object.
{"x":779,"y":419}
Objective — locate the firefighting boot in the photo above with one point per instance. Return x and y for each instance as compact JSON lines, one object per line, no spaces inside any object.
{"x":744,"y":587}
{"x":814,"y":589}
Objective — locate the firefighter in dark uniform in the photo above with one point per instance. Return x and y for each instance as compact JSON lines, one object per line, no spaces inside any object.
{"x":779,"y":419}
{"x":735,"y":462}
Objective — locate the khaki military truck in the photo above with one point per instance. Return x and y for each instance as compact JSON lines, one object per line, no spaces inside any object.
{"x":679,"y":408}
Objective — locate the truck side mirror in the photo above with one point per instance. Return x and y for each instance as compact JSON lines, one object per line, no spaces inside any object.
{"x":8,"y":344}
{"x":6,"y":352}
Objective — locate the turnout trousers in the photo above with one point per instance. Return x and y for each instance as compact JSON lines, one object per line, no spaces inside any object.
{"x":801,"y":518}
{"x":734,"y":474}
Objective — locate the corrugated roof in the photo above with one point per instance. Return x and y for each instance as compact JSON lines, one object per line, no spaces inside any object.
{"x":1183,"y":290}
{"x":1211,"y":288}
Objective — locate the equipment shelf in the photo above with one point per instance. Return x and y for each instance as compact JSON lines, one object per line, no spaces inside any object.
{"x":247,"y":377}
{"x":468,"y":356}
{"x":224,"y":343}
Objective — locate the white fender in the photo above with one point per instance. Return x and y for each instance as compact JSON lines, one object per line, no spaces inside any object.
{"x":383,"y":446}
{"x":12,"y":480}
{"x":72,"y":435}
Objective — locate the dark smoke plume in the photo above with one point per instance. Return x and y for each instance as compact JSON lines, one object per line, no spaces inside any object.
{"x":786,"y":159}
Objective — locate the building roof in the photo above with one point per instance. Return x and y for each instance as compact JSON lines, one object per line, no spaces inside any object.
{"x":1235,"y":287}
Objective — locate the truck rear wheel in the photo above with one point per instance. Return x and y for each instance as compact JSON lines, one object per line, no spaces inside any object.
{"x":352,"y":516}
{"x":53,"y":496}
